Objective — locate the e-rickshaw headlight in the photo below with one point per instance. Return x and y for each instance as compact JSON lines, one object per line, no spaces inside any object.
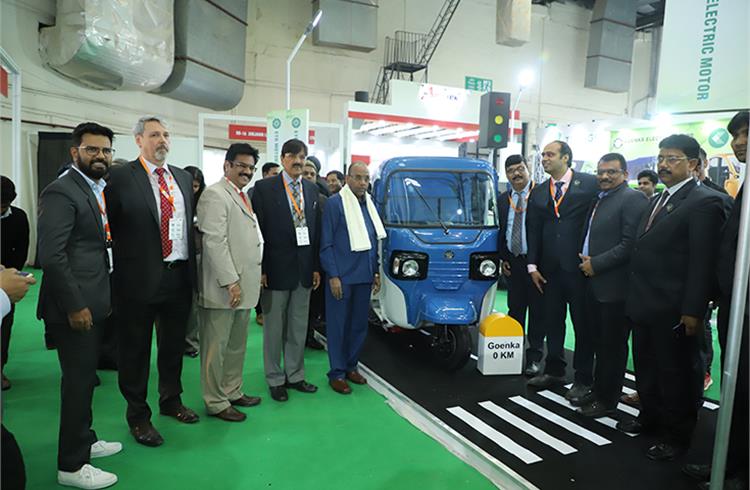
{"x":409,"y":266}
{"x":483,"y":266}
{"x":487,"y":268}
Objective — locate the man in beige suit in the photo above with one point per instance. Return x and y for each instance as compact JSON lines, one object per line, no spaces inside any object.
{"x":230,"y":283}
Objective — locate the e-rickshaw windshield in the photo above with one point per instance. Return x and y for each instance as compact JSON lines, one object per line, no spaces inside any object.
{"x":439,"y":198}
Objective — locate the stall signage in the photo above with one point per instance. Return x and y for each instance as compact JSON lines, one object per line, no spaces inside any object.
{"x":257,"y":133}
{"x":699,"y":65}
{"x":285,"y":125}
{"x":249,"y":133}
{"x":478,"y":84}
{"x":500,"y":349}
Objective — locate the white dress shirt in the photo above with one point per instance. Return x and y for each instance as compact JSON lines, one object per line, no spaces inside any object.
{"x":179,"y":246}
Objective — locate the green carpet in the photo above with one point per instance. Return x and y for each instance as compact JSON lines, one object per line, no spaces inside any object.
{"x":321,"y":441}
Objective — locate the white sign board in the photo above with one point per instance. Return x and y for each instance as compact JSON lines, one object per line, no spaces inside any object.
{"x":282,"y":126}
{"x":705,"y":60}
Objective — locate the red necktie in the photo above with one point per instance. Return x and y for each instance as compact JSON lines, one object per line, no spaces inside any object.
{"x":166,"y":214}
{"x":247,"y":203}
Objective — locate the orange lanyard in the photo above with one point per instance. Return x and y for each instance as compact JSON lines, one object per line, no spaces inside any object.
{"x":291,"y":198}
{"x":167,"y":193}
{"x":103,"y":211}
{"x":525,"y":201}
{"x":552,"y":195}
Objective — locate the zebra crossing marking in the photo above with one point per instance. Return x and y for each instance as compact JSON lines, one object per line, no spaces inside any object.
{"x":528,"y":428}
{"x":560,"y":421}
{"x":495,"y":436}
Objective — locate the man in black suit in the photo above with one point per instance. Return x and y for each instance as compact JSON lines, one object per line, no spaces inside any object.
{"x":14,"y":249}
{"x":671,"y":280}
{"x":557,"y":211}
{"x":513,"y":248}
{"x":150,"y":208}
{"x":289,"y":216}
{"x":74,"y":300}
{"x":608,"y":237}
{"x":737,"y":452}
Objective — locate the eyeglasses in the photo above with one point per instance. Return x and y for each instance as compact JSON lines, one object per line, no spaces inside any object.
{"x":244,"y":166}
{"x":670,"y":159}
{"x":516,"y":170}
{"x":93,"y":151}
{"x":610,"y":172}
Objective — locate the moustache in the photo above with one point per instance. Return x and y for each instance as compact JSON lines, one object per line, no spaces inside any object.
{"x":665,"y":172}
{"x":605,"y":181}
{"x":249,"y":176}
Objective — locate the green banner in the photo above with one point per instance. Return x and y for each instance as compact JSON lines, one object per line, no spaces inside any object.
{"x":641,"y":146}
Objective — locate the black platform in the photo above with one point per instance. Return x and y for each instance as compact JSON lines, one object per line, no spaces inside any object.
{"x":491,"y":412}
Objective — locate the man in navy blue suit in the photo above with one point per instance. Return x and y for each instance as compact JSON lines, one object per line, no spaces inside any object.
{"x":349,"y":256}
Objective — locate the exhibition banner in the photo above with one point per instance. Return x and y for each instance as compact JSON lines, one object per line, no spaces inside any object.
{"x":285,"y":125}
{"x":640,"y":147}
{"x":705,"y":62}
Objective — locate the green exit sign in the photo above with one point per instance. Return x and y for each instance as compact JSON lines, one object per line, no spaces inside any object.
{"x":478,"y":84}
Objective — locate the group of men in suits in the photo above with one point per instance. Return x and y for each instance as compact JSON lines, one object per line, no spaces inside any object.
{"x":623,"y":262}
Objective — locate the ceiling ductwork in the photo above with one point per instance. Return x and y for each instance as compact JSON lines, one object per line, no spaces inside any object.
{"x":111,"y":45}
{"x":209,"y":61}
{"x":610,"y":52}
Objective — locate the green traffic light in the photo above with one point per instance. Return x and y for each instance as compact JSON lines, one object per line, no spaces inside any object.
{"x":497,"y":138}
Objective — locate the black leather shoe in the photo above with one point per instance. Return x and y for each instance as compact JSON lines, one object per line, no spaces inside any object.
{"x":634,"y":426}
{"x":700,"y":472}
{"x":303,"y":386}
{"x":278,"y":393}
{"x":192,"y":353}
{"x":145,"y":433}
{"x":664,"y":452}
{"x":312,"y":343}
{"x":182,"y":414}
{"x":729,"y":484}
{"x":544,"y":381}
{"x":246,"y":401}
{"x":595,"y":409}
{"x":585,"y":399}
{"x":533,"y":369}
{"x":577,"y":391}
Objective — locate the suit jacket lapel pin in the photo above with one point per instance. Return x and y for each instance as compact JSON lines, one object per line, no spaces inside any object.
{"x":576,"y":182}
{"x":670,"y":207}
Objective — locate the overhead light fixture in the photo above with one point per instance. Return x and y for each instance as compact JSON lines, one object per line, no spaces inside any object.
{"x":392,"y":129}
{"x":413,"y":132}
{"x":302,"y":38}
{"x":459,"y":134}
{"x":313,"y":23}
{"x":367,"y":127}
{"x":525,"y":78}
{"x":435,"y":134}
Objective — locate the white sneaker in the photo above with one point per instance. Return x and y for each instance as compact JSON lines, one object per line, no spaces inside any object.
{"x":101,"y":449}
{"x":87,"y":477}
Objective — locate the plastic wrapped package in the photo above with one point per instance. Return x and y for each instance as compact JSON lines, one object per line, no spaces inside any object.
{"x":111,"y":44}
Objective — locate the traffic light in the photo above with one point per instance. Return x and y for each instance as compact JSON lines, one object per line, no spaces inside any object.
{"x":494,"y":118}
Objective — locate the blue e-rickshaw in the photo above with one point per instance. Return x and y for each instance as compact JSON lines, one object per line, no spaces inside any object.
{"x":439,"y":262}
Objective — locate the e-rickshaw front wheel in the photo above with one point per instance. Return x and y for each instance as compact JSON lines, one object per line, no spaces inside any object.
{"x":451,"y":346}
